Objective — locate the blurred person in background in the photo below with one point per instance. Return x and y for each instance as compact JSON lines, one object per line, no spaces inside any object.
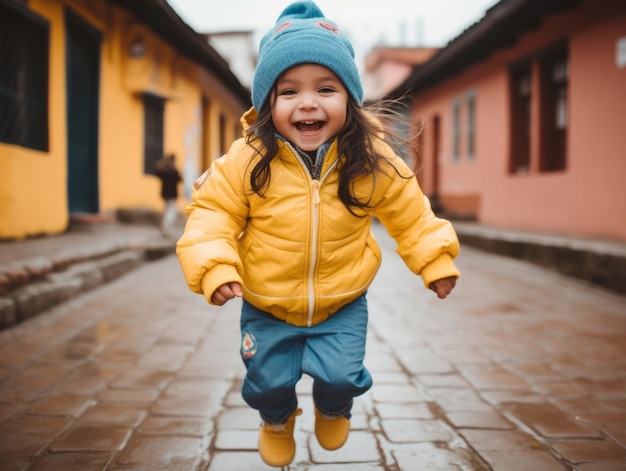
{"x":165,"y":169}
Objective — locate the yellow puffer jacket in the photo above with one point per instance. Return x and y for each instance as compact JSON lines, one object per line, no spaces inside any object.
{"x":298,"y":252}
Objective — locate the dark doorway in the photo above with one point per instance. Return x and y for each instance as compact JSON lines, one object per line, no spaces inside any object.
{"x":83,"y":91}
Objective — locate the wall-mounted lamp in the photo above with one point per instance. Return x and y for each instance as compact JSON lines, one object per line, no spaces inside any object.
{"x":137,"y":48}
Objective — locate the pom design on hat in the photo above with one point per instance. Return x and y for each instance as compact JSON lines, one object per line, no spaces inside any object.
{"x":329,"y":26}
{"x":282,"y":27}
{"x":322,"y":24}
{"x":302,"y":35}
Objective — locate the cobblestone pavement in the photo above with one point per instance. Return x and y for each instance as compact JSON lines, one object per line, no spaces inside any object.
{"x":520,"y":369}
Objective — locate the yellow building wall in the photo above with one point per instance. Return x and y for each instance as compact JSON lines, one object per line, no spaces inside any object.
{"x":33,"y":184}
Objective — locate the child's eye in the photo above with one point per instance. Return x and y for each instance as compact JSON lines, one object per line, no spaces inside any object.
{"x":287,"y":92}
{"x":327,"y":90}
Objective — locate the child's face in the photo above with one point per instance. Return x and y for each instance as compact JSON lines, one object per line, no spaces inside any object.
{"x":310,"y":105}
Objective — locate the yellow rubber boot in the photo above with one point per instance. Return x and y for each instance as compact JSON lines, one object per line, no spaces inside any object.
{"x":331,"y":431}
{"x":276,"y":444}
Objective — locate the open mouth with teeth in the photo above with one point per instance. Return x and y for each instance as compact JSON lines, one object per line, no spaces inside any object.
{"x":309,"y":126}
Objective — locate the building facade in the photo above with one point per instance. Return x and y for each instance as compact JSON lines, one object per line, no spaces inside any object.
{"x":523,"y":118}
{"x":93,"y":93}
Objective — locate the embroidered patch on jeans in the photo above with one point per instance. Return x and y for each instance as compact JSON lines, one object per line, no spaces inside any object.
{"x":248,"y":345}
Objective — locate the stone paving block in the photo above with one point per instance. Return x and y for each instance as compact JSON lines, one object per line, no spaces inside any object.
{"x":392,"y":410}
{"x":408,"y":430}
{"x":517,"y":396}
{"x":127,"y":396}
{"x":361,"y":447}
{"x":165,"y":358}
{"x":67,"y":406}
{"x":400,"y":393}
{"x":455,"y":400}
{"x":565,"y":389}
{"x":463,"y":356}
{"x":479,"y":419}
{"x":184,"y":426}
{"x":120,"y":415}
{"x":452,"y":380}
{"x":523,"y":460}
{"x":603,"y":466}
{"x":21,"y":444}
{"x":70,"y":355}
{"x":15,"y":358}
{"x":239,"y":418}
{"x":92,"y":438}
{"x":491,"y":377}
{"x":489,"y":440}
{"x":390,"y":377}
{"x":606,"y":389}
{"x":603,"y":418}
{"x":381,"y":362}
{"x":237,"y":439}
{"x":428,"y":457}
{"x":419,"y":362}
{"x":82,"y":386}
{"x":18,"y":396}
{"x":74,"y":461}
{"x":29,"y":383}
{"x":343,"y":467}
{"x":45,"y":371}
{"x":533,"y":371}
{"x":166,"y":453}
{"x":142,"y":379}
{"x":550,"y":421}
{"x":34,"y":424}
{"x":238,"y":461}
{"x":190,"y":387}
{"x":578,"y":451}
{"x":197,"y":406}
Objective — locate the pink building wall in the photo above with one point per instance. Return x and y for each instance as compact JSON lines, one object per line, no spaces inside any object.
{"x":589,"y":196}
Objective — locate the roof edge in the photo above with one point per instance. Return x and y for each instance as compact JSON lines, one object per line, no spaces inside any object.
{"x":161,"y":18}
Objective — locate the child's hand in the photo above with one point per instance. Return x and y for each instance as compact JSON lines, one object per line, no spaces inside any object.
{"x":443,"y":287}
{"x":225,"y":292}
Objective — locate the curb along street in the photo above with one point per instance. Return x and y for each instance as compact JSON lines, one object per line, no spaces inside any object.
{"x":597,"y":261}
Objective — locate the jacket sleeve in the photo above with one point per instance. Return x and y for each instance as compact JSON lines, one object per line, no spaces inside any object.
{"x":207,"y":250}
{"x":426,"y":243}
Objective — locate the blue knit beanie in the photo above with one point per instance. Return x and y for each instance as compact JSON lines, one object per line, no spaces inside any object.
{"x":303,"y":35}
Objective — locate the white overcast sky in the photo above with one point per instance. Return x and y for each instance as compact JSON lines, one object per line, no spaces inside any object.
{"x":430,"y":23}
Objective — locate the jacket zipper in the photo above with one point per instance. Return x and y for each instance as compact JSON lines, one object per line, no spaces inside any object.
{"x":315,"y":187}
{"x":314,"y":225}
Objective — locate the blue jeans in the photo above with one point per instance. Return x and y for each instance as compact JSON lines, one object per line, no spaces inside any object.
{"x":276,"y":354}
